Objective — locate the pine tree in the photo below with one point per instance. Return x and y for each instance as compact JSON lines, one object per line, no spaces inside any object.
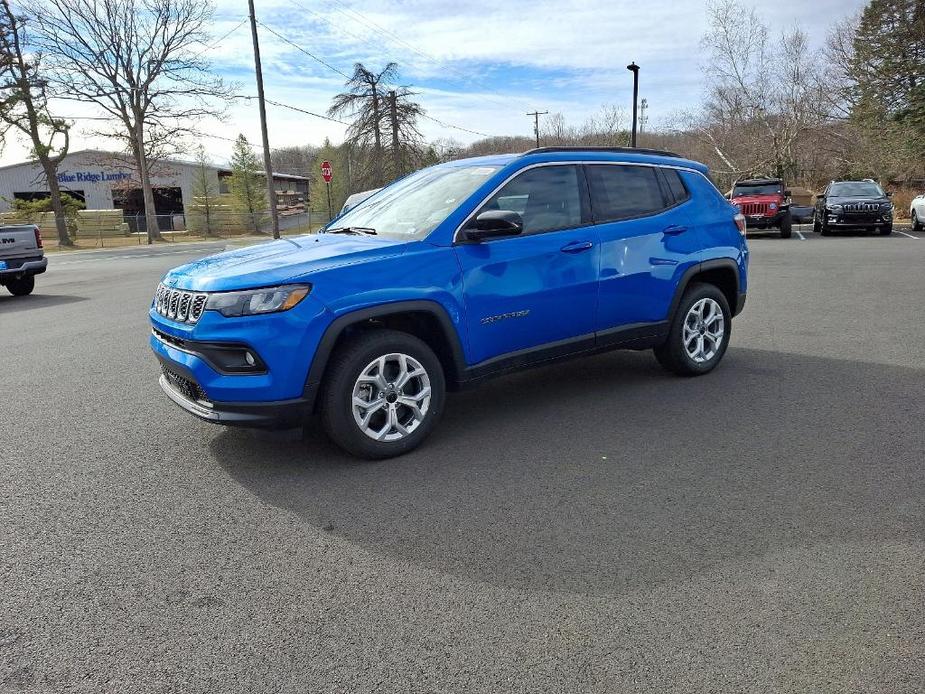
{"x":247,"y":183}
{"x":205,"y":194}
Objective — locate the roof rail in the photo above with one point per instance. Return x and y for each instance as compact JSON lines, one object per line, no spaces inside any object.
{"x":616,"y":150}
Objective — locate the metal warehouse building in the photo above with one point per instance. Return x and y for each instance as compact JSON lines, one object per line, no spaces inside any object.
{"x":107,"y":180}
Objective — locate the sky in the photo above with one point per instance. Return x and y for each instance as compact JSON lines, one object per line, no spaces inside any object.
{"x":477,"y":67}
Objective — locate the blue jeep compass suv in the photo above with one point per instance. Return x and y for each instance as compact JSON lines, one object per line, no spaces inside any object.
{"x":450,"y":275}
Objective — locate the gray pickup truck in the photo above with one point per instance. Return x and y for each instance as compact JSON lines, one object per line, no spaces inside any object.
{"x":21,"y":257}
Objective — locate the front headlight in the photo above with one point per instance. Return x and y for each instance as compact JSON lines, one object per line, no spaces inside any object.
{"x":886,"y":206}
{"x":257,"y":301}
{"x":773,"y":206}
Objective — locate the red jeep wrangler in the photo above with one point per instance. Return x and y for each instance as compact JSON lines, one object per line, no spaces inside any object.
{"x":765,"y":204}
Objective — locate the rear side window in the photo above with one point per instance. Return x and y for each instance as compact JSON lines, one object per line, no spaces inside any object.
{"x":677,"y":193}
{"x":548,"y":198}
{"x":624,"y":192}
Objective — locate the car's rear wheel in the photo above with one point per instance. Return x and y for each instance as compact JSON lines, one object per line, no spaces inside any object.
{"x":383,"y":394}
{"x":22,"y":286}
{"x":699,"y":332}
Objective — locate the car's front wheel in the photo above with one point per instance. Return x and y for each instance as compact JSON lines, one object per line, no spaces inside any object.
{"x":886,"y":230}
{"x":916,"y":222}
{"x":699,"y":333}
{"x":786,"y":226}
{"x":22,"y":286}
{"x":383,"y":394}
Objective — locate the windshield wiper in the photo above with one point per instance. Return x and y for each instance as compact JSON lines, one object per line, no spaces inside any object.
{"x":352,"y":230}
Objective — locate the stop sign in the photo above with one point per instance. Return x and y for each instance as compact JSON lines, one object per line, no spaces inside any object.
{"x":327,"y":173}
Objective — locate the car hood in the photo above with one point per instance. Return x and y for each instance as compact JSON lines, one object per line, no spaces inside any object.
{"x":847,"y":200}
{"x":278,"y":262}
{"x":757,"y":198}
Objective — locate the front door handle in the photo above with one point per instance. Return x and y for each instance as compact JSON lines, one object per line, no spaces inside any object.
{"x":577,"y":246}
{"x":674,"y":230}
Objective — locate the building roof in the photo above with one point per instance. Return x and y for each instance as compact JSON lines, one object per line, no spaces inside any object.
{"x":171,"y":160}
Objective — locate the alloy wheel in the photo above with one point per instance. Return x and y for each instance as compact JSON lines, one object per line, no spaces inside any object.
{"x":704,"y":327}
{"x":391,"y":397}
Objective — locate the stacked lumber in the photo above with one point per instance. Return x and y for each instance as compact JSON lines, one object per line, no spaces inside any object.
{"x":101,"y":223}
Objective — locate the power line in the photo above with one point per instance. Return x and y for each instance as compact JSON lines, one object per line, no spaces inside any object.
{"x":215,"y":43}
{"x":331,"y":67}
{"x":299,"y":48}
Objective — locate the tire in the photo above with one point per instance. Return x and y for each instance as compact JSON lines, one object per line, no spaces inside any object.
{"x":673,"y":354}
{"x":786,"y":226}
{"x":916,"y":222}
{"x":886,"y":230}
{"x":824,"y":229}
{"x":353,"y":374}
{"x":22,"y":286}
{"x":817,"y":227}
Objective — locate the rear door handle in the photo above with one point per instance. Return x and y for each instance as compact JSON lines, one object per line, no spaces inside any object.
{"x":674,"y":230}
{"x":577,"y":246}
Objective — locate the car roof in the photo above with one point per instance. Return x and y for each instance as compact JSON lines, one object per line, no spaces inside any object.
{"x":618,"y":154}
{"x":758,"y":181}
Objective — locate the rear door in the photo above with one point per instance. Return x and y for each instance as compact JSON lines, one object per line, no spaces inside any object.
{"x":527,"y":291}
{"x":16,"y":242}
{"x":643,"y":216}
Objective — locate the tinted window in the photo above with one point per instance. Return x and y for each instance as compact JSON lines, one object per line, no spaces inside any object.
{"x":855,"y":188}
{"x":547,"y":198}
{"x":622,"y":192}
{"x":758,"y":189}
{"x":675,"y":185}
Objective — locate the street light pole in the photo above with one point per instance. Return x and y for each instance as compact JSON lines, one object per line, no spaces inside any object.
{"x":267,"y":166}
{"x":634,"y":68}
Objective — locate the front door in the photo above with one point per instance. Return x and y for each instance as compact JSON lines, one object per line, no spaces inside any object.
{"x":539,"y":288}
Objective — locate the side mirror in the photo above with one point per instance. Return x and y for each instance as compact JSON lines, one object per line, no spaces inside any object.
{"x":494,"y":224}
{"x":818,"y":197}
{"x":889,"y":193}
{"x":787,"y":193}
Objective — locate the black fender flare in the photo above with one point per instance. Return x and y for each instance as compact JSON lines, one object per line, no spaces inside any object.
{"x":338,"y":325}
{"x":705,"y":266}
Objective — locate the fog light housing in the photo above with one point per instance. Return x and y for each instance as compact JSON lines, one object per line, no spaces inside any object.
{"x":249,"y":358}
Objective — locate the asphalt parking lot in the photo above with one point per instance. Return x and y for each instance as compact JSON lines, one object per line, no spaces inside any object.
{"x":595,"y":526}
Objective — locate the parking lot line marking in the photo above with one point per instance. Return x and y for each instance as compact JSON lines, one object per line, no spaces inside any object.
{"x":905,"y":234}
{"x":802,"y":238}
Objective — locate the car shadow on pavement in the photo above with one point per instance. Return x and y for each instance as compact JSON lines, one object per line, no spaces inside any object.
{"x":607,"y":474}
{"x":12,"y":304}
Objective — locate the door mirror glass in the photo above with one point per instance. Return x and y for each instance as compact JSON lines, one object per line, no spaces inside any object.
{"x":495,"y":223}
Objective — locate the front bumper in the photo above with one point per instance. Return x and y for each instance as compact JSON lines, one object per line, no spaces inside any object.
{"x":765,"y":222}
{"x":20,"y":267}
{"x":181,"y":387}
{"x":857,"y":222}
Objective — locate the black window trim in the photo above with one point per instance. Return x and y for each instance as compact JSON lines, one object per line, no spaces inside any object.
{"x":581,"y":163}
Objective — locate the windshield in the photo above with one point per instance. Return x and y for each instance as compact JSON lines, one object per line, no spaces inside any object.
{"x":415,"y":205}
{"x":861,"y":189}
{"x":763,"y":189}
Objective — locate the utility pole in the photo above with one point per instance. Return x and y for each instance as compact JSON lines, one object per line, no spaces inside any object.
{"x":536,"y":124}
{"x":396,"y":150}
{"x":634,"y":68}
{"x":267,"y":166}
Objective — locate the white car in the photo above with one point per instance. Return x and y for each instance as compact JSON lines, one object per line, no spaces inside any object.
{"x":356,"y":199}
{"x":917,"y":213}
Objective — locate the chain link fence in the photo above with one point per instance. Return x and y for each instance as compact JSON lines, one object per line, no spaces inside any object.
{"x":113,"y":228}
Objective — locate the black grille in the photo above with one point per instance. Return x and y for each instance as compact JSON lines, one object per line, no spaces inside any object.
{"x":187,"y":388}
{"x":179,"y":305}
{"x":862,"y":207}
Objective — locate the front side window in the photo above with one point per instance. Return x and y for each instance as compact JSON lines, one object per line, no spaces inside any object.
{"x":548,"y":198}
{"x":414,"y":206}
{"x":624,"y":192}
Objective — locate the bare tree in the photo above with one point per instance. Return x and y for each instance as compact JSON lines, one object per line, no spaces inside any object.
{"x":24,"y":108}
{"x":366,"y":102}
{"x":141,"y":62}
{"x":759,"y":93}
